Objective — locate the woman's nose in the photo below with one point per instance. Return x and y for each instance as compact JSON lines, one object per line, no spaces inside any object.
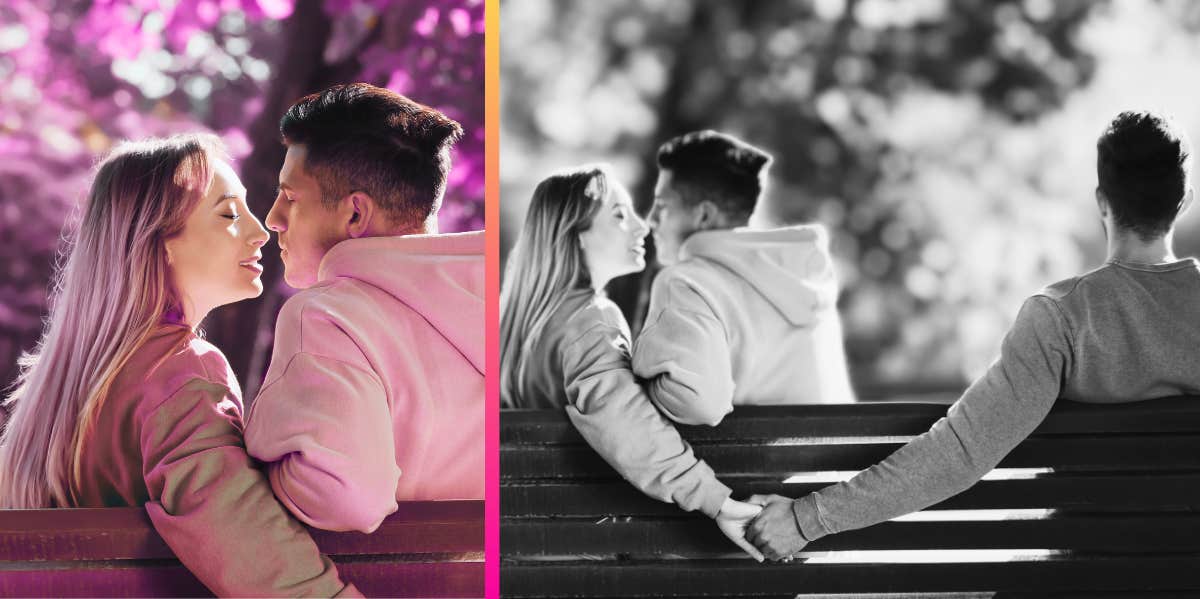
{"x":641,"y":228}
{"x":259,"y":237}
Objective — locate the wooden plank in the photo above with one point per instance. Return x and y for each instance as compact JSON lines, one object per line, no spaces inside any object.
{"x":699,"y":537}
{"x":416,"y":527}
{"x":1114,"y":492}
{"x":126,"y":533}
{"x":1140,"y":452}
{"x":1180,"y":415}
{"x":159,"y":578}
{"x":730,"y":578}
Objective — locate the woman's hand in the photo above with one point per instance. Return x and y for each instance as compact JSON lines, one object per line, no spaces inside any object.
{"x":774,"y":531}
{"x":732,"y":520}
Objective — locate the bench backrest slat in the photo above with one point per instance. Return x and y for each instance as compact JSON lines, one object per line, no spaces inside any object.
{"x":424,"y":549}
{"x":1106,"y":500}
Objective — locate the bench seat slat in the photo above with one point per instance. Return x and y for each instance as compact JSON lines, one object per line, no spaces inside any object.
{"x":160,"y":578}
{"x":693,"y":536}
{"x":1143,"y":452}
{"x":1116,"y":492}
{"x":1177,"y":414}
{"x":728,"y":578}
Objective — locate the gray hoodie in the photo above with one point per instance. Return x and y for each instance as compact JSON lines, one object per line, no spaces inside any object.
{"x":745,"y":317}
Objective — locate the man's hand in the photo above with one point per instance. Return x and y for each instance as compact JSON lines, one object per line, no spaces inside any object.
{"x":774,"y":531}
{"x":732,"y":520}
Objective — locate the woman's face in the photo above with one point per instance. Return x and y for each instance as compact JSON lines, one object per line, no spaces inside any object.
{"x":214,"y":260}
{"x":614,"y":245}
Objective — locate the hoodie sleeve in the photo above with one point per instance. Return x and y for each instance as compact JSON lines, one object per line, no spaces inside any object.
{"x":324,"y":429}
{"x":215,"y":509}
{"x":609,"y":408}
{"x":683,"y":353}
{"x":995,"y":414}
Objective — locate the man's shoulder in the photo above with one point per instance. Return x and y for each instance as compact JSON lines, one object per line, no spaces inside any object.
{"x":326,"y":319}
{"x":1080,"y":287}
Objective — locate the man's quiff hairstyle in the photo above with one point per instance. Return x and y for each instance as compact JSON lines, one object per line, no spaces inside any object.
{"x":720,"y":168}
{"x":364,"y":138}
{"x":1143,"y":161}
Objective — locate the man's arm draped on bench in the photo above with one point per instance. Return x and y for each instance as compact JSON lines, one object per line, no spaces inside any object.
{"x":1127,"y":331}
{"x":377,"y":371}
{"x":995,"y":414}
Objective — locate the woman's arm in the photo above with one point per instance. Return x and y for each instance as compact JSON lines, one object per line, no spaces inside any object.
{"x":215,"y":509}
{"x":614,"y":415}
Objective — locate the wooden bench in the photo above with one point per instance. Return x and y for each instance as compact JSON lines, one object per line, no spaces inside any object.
{"x":425,"y":549}
{"x":1104,"y":504}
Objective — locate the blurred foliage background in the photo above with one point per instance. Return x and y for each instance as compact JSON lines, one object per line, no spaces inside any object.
{"x":949,"y":146}
{"x":77,"y":76}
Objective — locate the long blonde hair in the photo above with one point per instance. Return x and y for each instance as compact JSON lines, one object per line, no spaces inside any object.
{"x":112,"y":291}
{"x":545,"y":264}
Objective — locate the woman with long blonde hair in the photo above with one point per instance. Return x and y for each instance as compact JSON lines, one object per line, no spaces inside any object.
{"x":123,"y":404}
{"x":565,"y":345}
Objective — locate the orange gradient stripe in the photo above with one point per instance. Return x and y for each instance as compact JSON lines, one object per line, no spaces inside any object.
{"x":491,"y":121}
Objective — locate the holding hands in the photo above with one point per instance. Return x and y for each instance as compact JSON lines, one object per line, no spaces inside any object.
{"x":774,"y":531}
{"x":733,"y":519}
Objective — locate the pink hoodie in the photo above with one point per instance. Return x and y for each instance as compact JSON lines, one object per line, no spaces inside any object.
{"x":375,"y":393}
{"x":169,"y":437}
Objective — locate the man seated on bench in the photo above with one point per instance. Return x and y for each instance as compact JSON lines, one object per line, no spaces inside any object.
{"x":1127,"y":331}
{"x":737,"y":316}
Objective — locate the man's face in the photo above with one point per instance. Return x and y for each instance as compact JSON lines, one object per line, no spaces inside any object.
{"x":306,"y":228}
{"x":671,"y":220}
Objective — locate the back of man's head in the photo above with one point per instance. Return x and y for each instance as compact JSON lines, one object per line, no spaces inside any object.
{"x":359,"y":137}
{"x":1143,"y":162}
{"x":720,"y":168}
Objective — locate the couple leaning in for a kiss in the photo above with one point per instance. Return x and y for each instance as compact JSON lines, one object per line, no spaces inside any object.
{"x":740,"y":316}
{"x":375,"y":389}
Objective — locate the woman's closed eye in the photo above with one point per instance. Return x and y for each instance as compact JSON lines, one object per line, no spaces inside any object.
{"x":233,"y":217}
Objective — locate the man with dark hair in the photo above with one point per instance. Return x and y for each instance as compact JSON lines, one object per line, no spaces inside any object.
{"x":376,"y":385}
{"x":1126,"y":331}
{"x":737,"y":316}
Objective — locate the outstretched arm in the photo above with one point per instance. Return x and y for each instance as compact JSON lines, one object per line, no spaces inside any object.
{"x":995,"y":414}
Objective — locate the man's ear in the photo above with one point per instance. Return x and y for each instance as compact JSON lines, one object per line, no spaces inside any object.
{"x":1187,"y":201}
{"x":1102,"y":203}
{"x":706,"y":216}
{"x":362,"y":211}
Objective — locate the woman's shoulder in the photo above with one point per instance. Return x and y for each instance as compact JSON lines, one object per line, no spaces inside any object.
{"x":174,"y":356}
{"x":588,"y":313}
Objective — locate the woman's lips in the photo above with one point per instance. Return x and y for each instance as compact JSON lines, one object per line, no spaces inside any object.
{"x":253,"y":266}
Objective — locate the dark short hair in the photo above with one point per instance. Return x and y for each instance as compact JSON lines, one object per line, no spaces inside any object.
{"x":364,"y":138}
{"x":717,"y":167}
{"x":1142,"y":163}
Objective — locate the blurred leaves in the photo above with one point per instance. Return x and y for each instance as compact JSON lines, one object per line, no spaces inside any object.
{"x":948,"y":145}
{"x":80,"y":75}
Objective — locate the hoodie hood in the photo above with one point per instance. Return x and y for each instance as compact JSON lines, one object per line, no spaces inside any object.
{"x":440,"y":276}
{"x":791,"y":266}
